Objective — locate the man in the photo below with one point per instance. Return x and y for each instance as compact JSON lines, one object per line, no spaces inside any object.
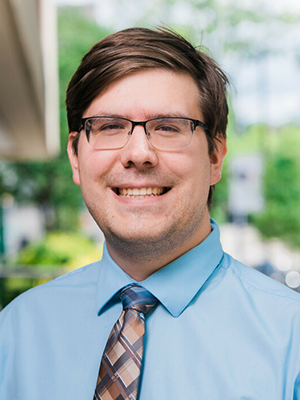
{"x":147,"y":116}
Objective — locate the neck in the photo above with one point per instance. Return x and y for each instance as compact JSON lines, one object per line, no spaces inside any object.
{"x":140,"y":260}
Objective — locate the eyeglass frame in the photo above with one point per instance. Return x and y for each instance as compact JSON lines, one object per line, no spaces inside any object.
{"x":195,"y":122}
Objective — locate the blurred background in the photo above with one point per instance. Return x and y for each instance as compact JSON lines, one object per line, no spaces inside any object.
{"x":45,"y":229}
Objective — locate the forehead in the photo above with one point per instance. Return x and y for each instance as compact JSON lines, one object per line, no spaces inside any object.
{"x":147,"y":94}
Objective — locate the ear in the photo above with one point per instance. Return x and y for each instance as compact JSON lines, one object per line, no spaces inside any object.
{"x":216,"y":160}
{"x":73,"y":158}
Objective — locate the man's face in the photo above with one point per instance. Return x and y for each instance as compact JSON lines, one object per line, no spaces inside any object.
{"x":176,"y":216}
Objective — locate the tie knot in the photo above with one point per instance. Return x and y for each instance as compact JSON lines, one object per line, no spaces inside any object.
{"x":138,"y":298}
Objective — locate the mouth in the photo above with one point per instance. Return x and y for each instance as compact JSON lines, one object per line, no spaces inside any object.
{"x":141,"y":193}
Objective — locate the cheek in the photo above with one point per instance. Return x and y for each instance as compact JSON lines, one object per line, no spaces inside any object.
{"x":194,"y":168}
{"x":94,"y":164}
{"x":192,"y":163}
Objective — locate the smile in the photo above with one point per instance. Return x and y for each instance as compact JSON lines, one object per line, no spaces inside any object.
{"x":141,"y":193}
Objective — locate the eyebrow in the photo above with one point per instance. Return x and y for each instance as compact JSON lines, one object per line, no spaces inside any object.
{"x":149,"y":116}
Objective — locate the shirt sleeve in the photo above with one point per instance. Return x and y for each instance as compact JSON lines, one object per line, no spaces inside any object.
{"x":7,"y":352}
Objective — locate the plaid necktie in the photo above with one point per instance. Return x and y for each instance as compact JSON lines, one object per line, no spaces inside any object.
{"x":120,"y":367}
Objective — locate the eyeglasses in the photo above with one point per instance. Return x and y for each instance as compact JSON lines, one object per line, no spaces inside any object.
{"x":170,"y":133}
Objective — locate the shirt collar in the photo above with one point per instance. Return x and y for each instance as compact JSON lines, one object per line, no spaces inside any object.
{"x":174,"y":285}
{"x":111,"y":279}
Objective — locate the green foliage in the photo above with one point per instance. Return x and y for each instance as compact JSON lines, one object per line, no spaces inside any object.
{"x":219,"y":210}
{"x":281,"y":181}
{"x":49,"y":185}
{"x":60,"y":249}
{"x":53,"y":255}
{"x":76,"y":35}
{"x":13,"y":287}
{"x":281,"y":216}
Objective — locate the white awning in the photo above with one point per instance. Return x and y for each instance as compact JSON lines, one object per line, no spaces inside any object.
{"x":29,"y":101}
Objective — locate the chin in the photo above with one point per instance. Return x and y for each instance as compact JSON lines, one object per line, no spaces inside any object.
{"x":135,"y":236}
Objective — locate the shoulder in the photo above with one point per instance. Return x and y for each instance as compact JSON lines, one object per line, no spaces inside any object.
{"x":55,"y":292}
{"x":257,"y":283}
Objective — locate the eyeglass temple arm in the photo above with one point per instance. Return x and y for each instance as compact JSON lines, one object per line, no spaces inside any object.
{"x":201,"y":124}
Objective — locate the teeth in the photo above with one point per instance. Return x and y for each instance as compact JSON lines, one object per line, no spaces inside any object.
{"x":141,"y":193}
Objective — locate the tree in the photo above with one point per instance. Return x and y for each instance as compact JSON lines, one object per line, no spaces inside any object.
{"x":281,"y":184}
{"x":281,"y":217}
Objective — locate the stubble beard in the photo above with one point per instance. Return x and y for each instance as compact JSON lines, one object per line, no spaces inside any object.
{"x":145,"y":248}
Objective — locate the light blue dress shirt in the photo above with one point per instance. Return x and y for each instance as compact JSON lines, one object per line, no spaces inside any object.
{"x":222,"y":331}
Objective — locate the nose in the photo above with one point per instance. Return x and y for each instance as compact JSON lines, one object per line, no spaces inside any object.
{"x":138,"y":151}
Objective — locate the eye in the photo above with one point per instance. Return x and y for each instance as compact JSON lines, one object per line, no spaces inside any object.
{"x":111,"y":127}
{"x":167,"y":128}
{"x":108,"y":126}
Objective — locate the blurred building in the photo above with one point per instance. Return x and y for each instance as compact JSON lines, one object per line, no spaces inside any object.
{"x":29,"y":102}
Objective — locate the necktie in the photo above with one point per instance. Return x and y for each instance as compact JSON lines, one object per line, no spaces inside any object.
{"x":120,"y":367}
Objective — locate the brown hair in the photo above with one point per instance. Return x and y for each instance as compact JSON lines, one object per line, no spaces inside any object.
{"x":137,"y":49}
